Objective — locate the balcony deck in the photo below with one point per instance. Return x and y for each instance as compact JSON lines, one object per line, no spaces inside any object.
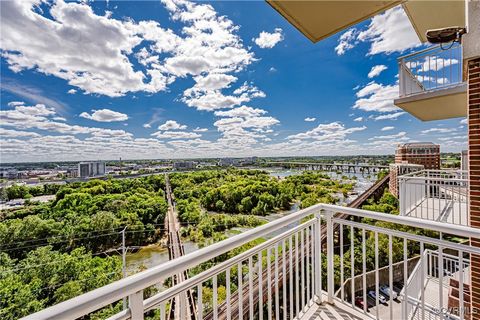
{"x":331,"y":312}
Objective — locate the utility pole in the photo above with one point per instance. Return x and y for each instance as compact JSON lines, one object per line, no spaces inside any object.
{"x":124,"y":264}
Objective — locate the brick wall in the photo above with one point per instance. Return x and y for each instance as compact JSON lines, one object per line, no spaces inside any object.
{"x":474,"y":170}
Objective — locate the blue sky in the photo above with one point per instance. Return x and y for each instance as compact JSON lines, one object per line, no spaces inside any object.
{"x":167,"y":79}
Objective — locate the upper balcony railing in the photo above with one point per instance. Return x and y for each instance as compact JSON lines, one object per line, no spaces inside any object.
{"x":439,"y":195}
{"x":431,"y":69}
{"x":291,"y":265}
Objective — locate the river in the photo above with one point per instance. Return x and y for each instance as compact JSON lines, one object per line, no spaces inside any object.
{"x":153,"y":255}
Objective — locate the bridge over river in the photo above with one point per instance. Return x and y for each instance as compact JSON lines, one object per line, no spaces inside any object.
{"x":335,"y":167}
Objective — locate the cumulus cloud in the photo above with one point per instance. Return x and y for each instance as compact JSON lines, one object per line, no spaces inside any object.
{"x":376,"y":97}
{"x":439,"y":130}
{"x":327,"y":132}
{"x":389,"y":116}
{"x":105,"y":115}
{"x":172,"y":125}
{"x":175,"y":135}
{"x":310,"y":119}
{"x":387,"y":128}
{"x":95,"y":55}
{"x":376,"y":70}
{"x":358,"y":119}
{"x":267,"y":40}
{"x":388,"y":32}
{"x":72,"y":91}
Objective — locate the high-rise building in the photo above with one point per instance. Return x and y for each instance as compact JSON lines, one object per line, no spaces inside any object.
{"x":92,"y":169}
{"x":423,"y":153}
{"x":464,"y":161}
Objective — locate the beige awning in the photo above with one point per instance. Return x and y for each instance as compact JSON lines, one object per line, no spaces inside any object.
{"x":320,"y":19}
{"x":425,"y":15}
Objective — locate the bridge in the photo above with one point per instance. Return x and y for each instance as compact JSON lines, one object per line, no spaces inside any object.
{"x":183,"y":305}
{"x":334,"y":167}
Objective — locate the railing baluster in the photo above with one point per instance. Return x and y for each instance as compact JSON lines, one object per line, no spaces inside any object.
{"x":200,"y":300}
{"x":405,"y":280}
{"x":342,"y":293}
{"x":215,"y":298}
{"x":228,"y":297}
{"x":162,"y":311}
{"x":290,"y":273}
{"x":284,"y":281}
{"x":297,"y":278}
{"x":422,"y":279}
{"x":302,"y":268}
{"x":390,"y":273}
{"x":364,"y":271}
{"x":240,"y":290}
{"x":260,"y":286}
{"x":269,"y":284}
{"x":352,"y":264}
{"x":376,"y":275}
{"x":250,"y":286}
{"x":277,"y":295}
{"x":135,"y":303}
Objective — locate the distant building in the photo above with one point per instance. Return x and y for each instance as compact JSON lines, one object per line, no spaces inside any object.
{"x":399,"y":169}
{"x":92,"y":169}
{"x":423,"y":153}
{"x":10,"y":173}
{"x":464,"y":163}
{"x":226,"y":162}
{"x":184,"y":165}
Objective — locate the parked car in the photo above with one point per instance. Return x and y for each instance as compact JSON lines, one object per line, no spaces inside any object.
{"x":385,"y":290}
{"x":373,"y":295}
{"x":359,"y":302}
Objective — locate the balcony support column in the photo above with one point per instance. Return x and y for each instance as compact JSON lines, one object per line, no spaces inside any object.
{"x":330,"y":257}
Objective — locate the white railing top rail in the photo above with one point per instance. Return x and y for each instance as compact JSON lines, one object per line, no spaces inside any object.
{"x":450,"y":175}
{"x":103,"y":296}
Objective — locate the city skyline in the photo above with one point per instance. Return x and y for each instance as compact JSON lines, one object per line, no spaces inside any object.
{"x":185,"y":80}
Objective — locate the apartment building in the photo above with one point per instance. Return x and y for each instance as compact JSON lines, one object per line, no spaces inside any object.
{"x":92,"y":169}
{"x":426,"y":154}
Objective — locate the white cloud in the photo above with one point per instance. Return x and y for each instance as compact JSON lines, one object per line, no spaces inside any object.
{"x":389,"y":116}
{"x":376,"y":70}
{"x":172,"y":125}
{"x":95,"y":55}
{"x":439,"y":130}
{"x":272,"y":69}
{"x":242,"y":111}
{"x":327,"y":132}
{"x":346,"y":41}
{"x":387,"y":128}
{"x":389,"y":137}
{"x":388,"y":32}
{"x":105,"y":115}
{"x":72,"y":91}
{"x":358,"y":119}
{"x":266,"y":40}
{"x":464,"y":121}
{"x":175,"y":135}
{"x":198,"y":129}
{"x":6,"y":133}
{"x":310,"y":119}
{"x":376,"y":97}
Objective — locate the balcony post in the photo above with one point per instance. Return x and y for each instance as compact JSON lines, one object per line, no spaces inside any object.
{"x":135,"y":303}
{"x":330,"y":257}
{"x":318,"y":257}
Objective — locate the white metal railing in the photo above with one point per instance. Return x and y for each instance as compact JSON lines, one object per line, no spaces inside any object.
{"x":426,"y":275}
{"x":434,"y":68}
{"x":283,"y":276}
{"x":439,"y":195}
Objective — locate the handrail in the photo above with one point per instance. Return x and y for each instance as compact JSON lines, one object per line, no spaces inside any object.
{"x":100,"y":297}
{"x":103,"y":296}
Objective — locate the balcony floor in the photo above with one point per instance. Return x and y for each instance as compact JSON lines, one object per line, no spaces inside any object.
{"x":331,"y":312}
{"x":440,"y":210}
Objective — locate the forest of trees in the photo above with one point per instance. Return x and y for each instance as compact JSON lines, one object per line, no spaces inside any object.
{"x":50,"y":252}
